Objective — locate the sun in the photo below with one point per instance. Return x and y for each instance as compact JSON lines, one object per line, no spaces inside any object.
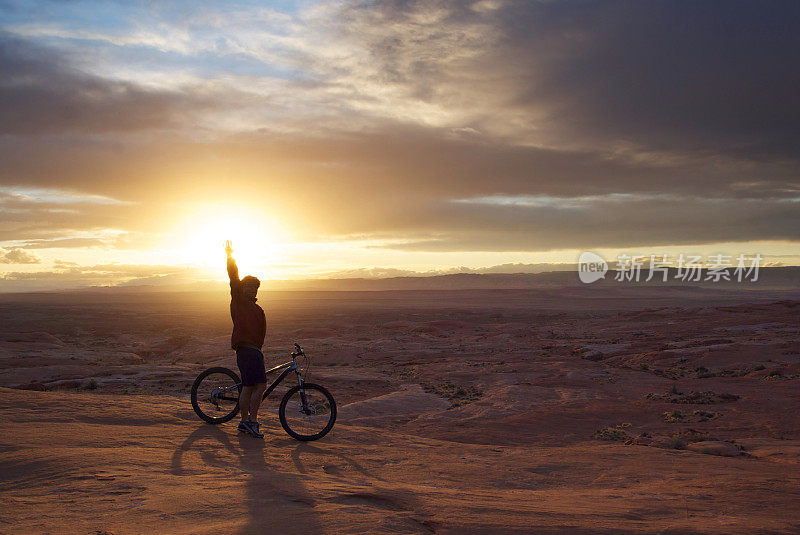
{"x":256,"y":237}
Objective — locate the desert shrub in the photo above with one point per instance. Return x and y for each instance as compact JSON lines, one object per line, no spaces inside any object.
{"x":673,"y":416}
{"x":675,"y":443}
{"x":614,"y":434}
{"x":405,"y":373}
{"x":703,"y":372}
{"x":704,"y":416}
{"x":91,"y":384}
{"x":693,"y":398}
{"x":457,"y":395}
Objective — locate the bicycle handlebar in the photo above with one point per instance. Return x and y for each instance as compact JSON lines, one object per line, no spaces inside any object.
{"x":299,"y":351}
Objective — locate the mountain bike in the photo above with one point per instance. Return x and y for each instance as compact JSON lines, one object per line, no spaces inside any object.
{"x":307,"y":411}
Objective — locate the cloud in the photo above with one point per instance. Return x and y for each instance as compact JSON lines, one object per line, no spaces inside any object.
{"x":41,"y":218}
{"x":67,"y":243}
{"x":407,"y":182}
{"x":18,"y":256}
{"x":644,"y":79}
{"x":577,"y":224}
{"x":603,"y":123}
{"x":69,"y":275}
{"x":714,"y":77}
{"x":42,"y":94}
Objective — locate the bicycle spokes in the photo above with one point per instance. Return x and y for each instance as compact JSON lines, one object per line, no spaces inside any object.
{"x":307,"y":412}
{"x":215,"y":395}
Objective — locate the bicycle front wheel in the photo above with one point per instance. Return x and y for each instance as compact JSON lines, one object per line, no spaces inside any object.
{"x":215,"y":395}
{"x":310,"y":418}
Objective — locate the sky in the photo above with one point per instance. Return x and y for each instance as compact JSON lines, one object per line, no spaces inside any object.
{"x":383,"y":138}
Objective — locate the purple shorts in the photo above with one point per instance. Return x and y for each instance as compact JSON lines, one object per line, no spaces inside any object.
{"x":251,"y":365}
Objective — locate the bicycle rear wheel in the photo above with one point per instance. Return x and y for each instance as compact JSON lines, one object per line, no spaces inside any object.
{"x":310,"y":420}
{"x":215,"y":395}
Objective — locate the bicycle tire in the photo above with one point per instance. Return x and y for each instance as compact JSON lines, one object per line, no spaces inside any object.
{"x":288,"y":428}
{"x":195,"y":402}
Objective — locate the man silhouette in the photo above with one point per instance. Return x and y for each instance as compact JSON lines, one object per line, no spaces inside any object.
{"x":249,"y":329}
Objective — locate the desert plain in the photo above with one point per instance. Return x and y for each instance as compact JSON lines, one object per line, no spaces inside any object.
{"x":574,"y":409}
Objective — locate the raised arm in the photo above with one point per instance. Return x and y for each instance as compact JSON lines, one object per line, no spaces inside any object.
{"x":233,"y":271}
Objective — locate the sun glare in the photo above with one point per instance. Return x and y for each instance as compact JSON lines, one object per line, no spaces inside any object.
{"x":256,"y":238}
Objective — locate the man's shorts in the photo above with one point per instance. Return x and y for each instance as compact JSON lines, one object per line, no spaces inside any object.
{"x":251,"y":365}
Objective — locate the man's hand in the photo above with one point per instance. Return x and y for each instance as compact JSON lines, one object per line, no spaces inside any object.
{"x":228,"y":248}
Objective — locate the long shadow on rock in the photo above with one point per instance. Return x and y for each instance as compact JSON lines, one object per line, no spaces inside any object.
{"x":276,"y":501}
{"x":403,"y":509}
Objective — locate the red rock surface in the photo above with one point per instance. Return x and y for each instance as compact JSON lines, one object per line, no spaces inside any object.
{"x":493,"y":411}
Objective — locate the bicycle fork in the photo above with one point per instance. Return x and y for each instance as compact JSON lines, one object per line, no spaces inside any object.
{"x":303,"y":398}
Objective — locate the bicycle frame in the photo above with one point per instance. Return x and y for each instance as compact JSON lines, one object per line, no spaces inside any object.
{"x":289,"y":367}
{"x":304,"y":408}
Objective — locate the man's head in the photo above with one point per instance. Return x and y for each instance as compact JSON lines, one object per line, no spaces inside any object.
{"x":250,"y":286}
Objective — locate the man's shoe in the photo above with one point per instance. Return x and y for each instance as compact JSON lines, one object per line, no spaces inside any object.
{"x":252,"y":428}
{"x":241,"y":427}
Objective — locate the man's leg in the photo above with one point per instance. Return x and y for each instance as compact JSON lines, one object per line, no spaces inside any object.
{"x":255,"y":399}
{"x":244,"y":401}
